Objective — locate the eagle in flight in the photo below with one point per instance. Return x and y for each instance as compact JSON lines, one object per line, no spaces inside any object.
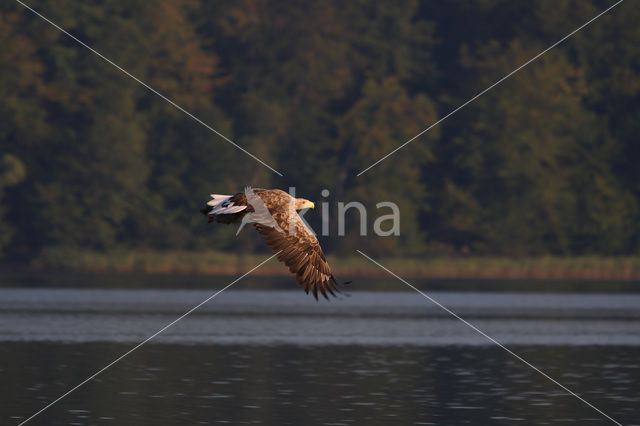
{"x":273,"y":213}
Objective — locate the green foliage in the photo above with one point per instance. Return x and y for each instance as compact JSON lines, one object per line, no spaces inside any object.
{"x":384,"y":117}
{"x":12,"y":172}
{"x":536,"y":160}
{"x":545,"y":163}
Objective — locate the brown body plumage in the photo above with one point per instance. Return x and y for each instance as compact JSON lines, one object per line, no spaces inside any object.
{"x":273,"y":214}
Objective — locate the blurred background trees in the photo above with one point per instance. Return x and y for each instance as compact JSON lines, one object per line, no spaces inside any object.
{"x":546,"y":163}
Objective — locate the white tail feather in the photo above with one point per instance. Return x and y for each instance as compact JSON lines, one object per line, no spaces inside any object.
{"x":226,"y":210}
{"x":217,"y":199}
{"x":219,"y":196}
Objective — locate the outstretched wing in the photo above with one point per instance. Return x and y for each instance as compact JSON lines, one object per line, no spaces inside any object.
{"x":301,"y":252}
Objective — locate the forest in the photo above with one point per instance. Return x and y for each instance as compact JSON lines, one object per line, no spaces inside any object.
{"x":545,"y":163}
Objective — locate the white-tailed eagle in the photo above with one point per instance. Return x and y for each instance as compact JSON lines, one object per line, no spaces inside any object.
{"x":273,"y":213}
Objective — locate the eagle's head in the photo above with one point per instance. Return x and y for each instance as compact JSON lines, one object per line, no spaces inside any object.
{"x":301,"y":203}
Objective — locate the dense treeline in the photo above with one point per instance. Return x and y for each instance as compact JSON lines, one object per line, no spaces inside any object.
{"x":545,"y":163}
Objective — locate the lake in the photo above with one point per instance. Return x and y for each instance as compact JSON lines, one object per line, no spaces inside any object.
{"x":258,"y":356}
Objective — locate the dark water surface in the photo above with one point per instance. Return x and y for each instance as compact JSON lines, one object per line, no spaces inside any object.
{"x":278,"y":357}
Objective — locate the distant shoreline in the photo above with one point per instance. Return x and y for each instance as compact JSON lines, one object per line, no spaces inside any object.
{"x":220,"y":263}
